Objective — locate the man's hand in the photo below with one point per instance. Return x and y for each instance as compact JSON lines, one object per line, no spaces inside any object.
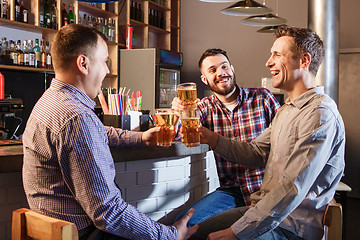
{"x":179,"y":105}
{"x":148,"y":138}
{"x":226,"y":234}
{"x":209,"y":137}
{"x":183,"y":231}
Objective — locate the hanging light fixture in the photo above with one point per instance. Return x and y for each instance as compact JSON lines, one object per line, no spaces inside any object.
{"x":99,"y":1}
{"x":265,"y":20}
{"x":246,"y":8}
{"x":218,"y":1}
{"x":268,"y":29}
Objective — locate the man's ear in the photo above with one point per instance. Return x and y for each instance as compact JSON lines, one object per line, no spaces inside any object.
{"x":305,"y":60}
{"x":232,"y":68}
{"x":82,"y":63}
{"x":203,"y":79}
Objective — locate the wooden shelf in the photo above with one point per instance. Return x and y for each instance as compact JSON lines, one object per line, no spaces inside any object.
{"x":157,"y":30}
{"x":157,"y":6}
{"x":23,"y":68}
{"x":26,"y":27}
{"x":83,"y":7}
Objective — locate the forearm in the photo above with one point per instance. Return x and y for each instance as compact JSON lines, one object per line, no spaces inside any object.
{"x":243,"y":153}
{"x":123,"y":138}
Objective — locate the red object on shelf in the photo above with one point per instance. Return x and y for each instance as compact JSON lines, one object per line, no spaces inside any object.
{"x":129,"y":33}
{"x":2,"y":86}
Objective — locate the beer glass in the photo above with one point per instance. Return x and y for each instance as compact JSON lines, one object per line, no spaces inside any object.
{"x":187,"y":93}
{"x":190,"y":121}
{"x":166,"y":119}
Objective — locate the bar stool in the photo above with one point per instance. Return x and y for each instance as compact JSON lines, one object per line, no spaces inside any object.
{"x":340,"y":197}
{"x":333,"y":221}
{"x":27,"y":223}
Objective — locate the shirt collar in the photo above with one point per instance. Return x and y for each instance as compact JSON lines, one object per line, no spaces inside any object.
{"x":304,"y":98}
{"x":58,"y":85}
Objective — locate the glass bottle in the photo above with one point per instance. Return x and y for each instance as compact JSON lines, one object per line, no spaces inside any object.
{"x":64,"y":16}
{"x":17,"y":11}
{"x":53,"y":16}
{"x":36,"y":50}
{"x":31,"y":54}
{"x":48,"y":56}
{"x":20,"y":54}
{"x":24,"y":12}
{"x":71,"y":15}
{"x":12,"y":52}
{"x":43,"y":54}
{"x":41,"y":13}
{"x":26,"y":53}
{"x":5,"y":9}
{"x":47,"y":15}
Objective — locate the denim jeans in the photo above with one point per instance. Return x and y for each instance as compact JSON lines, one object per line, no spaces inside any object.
{"x":213,"y":204}
{"x":226,"y":219}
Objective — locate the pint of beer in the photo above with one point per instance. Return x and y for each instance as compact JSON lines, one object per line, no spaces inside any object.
{"x":190,"y":121}
{"x":166,"y":119}
{"x":187,"y":93}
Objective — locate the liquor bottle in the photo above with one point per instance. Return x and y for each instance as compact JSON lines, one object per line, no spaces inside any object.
{"x":47,"y":15}
{"x":140,"y":14}
{"x":36,"y":50}
{"x":41,"y":13}
{"x":132,"y":10}
{"x":84,"y":20}
{"x":24,"y":12}
{"x":43,"y":54}
{"x":21,"y":54}
{"x":162,"y":21}
{"x":64,"y":16}
{"x":26,"y":53}
{"x":48,"y":56}
{"x":150,"y":17}
{"x":53,"y":16}
{"x":31,"y":54}
{"x":5,"y":9}
{"x":4,"y":48}
{"x":17,"y":11}
{"x":12,"y":52}
{"x":136,"y":12}
{"x":71,"y":15}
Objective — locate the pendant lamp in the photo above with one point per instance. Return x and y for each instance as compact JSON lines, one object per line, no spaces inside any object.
{"x":99,"y":1}
{"x":264,"y":20}
{"x":246,"y":8}
{"x":218,"y":1}
{"x":268,"y":29}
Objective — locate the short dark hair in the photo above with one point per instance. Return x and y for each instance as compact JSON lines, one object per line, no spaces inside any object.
{"x":71,"y":41}
{"x":212,"y":52}
{"x":306,"y":41}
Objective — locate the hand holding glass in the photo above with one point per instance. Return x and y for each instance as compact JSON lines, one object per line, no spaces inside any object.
{"x":190,"y":121}
{"x":165,"y":118}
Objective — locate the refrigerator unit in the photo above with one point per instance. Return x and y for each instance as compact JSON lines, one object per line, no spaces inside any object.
{"x":155,"y":72}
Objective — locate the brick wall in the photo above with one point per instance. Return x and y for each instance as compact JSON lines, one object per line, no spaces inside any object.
{"x":161,"y":188}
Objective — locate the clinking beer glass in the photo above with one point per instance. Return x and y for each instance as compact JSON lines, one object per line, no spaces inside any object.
{"x":165,"y":118}
{"x":190,"y":121}
{"x":187,"y":93}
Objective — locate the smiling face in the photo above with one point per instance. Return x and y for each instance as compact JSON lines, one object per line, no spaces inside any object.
{"x":218,"y":74}
{"x":283,"y":64}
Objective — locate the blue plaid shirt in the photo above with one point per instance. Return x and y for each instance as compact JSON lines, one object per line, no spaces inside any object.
{"x":68,"y":169}
{"x":253,"y":114}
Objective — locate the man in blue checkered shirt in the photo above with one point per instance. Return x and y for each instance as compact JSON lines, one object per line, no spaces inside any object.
{"x":68,"y":170}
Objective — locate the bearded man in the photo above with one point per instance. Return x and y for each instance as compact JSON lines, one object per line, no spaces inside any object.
{"x":237,"y":113}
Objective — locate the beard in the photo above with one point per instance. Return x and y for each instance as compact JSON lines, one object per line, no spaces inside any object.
{"x":224,"y":91}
